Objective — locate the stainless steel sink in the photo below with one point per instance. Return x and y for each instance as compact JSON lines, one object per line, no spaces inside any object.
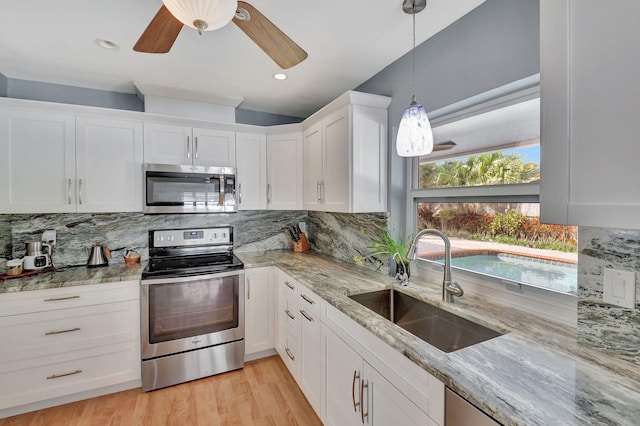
{"x":440,"y":328}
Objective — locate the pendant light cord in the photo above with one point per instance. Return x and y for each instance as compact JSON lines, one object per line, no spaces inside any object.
{"x":413,"y":81}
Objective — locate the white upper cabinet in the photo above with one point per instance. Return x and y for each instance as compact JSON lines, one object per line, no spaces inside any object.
{"x":108,"y":165}
{"x":251,"y":159}
{"x":284,"y":171}
{"x":345,"y":155}
{"x":58,"y":163}
{"x":174,"y":144}
{"x":37,"y":162}
{"x":590,"y":98}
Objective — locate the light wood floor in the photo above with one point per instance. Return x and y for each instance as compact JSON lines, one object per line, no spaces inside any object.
{"x":263,"y":393}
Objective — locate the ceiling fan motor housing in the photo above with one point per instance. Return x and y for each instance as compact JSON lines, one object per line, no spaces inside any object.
{"x":202,"y":15}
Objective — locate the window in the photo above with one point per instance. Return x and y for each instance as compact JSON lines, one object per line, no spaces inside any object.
{"x":483,"y":192}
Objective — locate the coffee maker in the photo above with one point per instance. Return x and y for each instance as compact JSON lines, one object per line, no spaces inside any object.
{"x":35,"y":258}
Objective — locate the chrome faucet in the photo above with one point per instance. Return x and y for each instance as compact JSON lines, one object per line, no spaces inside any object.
{"x":449,"y":288}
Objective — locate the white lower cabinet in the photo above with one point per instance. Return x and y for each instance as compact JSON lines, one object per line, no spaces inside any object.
{"x":65,"y":341}
{"x":348,"y":375}
{"x":259,"y":311}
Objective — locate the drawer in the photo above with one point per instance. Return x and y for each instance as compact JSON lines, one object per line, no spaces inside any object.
{"x":42,"y":378}
{"x":290,"y":314}
{"x":288,"y":284}
{"x":290,"y":355}
{"x":309,"y":302}
{"x":50,"y":332}
{"x":68,"y":297}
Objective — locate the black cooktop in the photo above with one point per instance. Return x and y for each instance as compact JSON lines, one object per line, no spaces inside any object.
{"x":179,"y":266}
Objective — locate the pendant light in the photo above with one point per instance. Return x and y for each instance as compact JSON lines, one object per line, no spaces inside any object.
{"x":202,"y":15}
{"x":415,"y":137}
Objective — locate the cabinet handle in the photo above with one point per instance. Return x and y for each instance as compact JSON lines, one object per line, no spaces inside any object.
{"x":80,"y":191}
{"x":306,"y":298}
{"x":293,"y":358}
{"x":322,"y":193}
{"x":364,"y":384}
{"x":69,"y":191}
{"x":318,"y":191}
{"x":292,"y":287}
{"x":54,"y":299}
{"x":57,"y":376}
{"x":268,"y":193}
{"x":289,"y":314}
{"x":356,"y":375}
{"x":248,"y":289}
{"x":188,"y":148}
{"x":196,"y":147}
{"x":306,"y":315}
{"x":240,"y":193}
{"x":49,"y":333}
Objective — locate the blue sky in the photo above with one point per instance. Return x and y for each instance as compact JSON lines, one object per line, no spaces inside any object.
{"x":529,"y":154}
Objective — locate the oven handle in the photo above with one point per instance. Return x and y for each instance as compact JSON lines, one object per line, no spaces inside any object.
{"x":175,"y":280}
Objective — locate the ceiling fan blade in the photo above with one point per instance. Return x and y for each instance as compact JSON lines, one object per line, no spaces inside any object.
{"x":160,"y":34}
{"x":284,"y":51}
{"x":443,"y":146}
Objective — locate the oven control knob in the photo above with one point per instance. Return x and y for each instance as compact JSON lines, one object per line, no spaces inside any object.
{"x":160,"y":239}
{"x":170,"y":238}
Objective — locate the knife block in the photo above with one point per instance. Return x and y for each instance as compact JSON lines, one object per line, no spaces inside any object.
{"x":302,"y":245}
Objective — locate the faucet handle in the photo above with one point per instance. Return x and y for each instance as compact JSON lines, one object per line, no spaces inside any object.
{"x":453,"y":288}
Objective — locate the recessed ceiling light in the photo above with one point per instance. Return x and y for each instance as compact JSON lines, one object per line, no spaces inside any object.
{"x":107,"y":44}
{"x":280,"y":76}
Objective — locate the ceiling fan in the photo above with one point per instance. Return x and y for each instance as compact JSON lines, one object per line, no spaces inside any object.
{"x":209,"y":15}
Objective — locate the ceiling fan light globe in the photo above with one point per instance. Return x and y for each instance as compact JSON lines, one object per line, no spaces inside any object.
{"x":415,"y":137}
{"x":214,"y":13}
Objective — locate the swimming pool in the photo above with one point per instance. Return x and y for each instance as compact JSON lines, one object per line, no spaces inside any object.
{"x":548,"y":274}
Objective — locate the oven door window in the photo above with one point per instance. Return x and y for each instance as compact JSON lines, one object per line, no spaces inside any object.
{"x":180,"y":310}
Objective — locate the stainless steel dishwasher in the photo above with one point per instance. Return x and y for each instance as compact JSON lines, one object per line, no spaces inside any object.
{"x":459,"y":412}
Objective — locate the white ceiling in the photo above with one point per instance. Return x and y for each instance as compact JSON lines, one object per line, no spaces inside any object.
{"x":348,"y":42}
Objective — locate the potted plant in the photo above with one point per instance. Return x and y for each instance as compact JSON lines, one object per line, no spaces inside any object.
{"x":386,"y":246}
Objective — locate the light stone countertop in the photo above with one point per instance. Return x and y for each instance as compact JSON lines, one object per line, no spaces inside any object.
{"x":535,"y":374}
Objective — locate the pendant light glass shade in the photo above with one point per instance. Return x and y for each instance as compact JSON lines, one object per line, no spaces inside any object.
{"x":415,"y":137}
{"x":193,"y":13}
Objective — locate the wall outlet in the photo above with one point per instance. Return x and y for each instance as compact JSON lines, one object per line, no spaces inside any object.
{"x":620,"y":288}
{"x":49,"y":237}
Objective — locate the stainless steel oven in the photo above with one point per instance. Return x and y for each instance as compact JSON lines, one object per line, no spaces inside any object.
{"x":192,"y":312}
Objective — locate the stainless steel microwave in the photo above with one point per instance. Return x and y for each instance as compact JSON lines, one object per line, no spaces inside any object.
{"x":189,"y":189}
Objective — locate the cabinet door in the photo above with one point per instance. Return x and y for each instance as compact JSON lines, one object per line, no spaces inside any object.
{"x":313,"y":168}
{"x":310,"y":356}
{"x":389,"y":406}
{"x":343,"y":374}
{"x":167,"y":144}
{"x":108,"y":165}
{"x":251,"y":159}
{"x":259,"y":310}
{"x":284,"y":172}
{"x":37,"y":162}
{"x":337,"y":176}
{"x":212,"y":147}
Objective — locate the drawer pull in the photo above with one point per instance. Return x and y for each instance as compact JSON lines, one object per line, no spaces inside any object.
{"x":306,"y":298}
{"x":49,"y":333}
{"x":57,"y":376}
{"x":54,"y":299}
{"x":289,"y":314}
{"x":293,"y":358}
{"x":306,"y":315}
{"x":292,"y":287}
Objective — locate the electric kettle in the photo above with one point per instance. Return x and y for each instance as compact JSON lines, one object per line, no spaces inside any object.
{"x":98,"y":256}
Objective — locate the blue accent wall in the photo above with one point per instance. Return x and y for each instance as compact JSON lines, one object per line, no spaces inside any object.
{"x":495,"y":44}
{"x":48,"y":92}
{"x":3,"y":86}
{"x":261,"y":118}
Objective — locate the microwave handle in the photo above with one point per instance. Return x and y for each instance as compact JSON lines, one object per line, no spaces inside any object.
{"x":188,"y":148}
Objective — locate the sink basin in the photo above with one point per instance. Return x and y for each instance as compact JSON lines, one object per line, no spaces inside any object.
{"x":440,"y":328}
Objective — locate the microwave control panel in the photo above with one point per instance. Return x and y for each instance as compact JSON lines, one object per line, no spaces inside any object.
{"x":192,"y":237}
